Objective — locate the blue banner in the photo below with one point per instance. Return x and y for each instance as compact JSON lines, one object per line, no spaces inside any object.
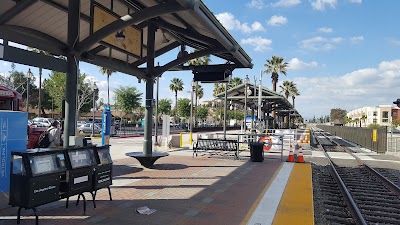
{"x":106,"y":126}
{"x":13,"y":138}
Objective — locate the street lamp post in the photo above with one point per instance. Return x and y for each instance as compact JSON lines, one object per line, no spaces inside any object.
{"x":246,"y":90}
{"x":191,"y":113}
{"x":28,"y":76}
{"x":94,"y":88}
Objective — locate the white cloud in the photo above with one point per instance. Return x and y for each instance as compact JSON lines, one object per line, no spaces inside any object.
{"x":229,"y":21}
{"x":325,"y":30}
{"x":259,"y":44}
{"x":394,"y":42}
{"x":355,"y":1}
{"x":5,"y":63}
{"x":286,"y":3}
{"x":258,"y":4}
{"x":277,"y":20}
{"x":322,"y":4}
{"x":297,"y":64}
{"x":356,"y":89}
{"x":356,"y":39}
{"x":320,"y":43}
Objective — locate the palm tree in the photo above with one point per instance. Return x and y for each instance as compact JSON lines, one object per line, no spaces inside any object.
{"x":199,"y":92}
{"x":294,"y":92}
{"x":286,"y":87}
{"x":363,"y":119}
{"x":175,"y":86}
{"x":275,"y":66}
{"x":218,"y":88}
{"x":40,"y":79}
{"x":103,"y":71}
{"x":236,"y":81}
{"x":205,"y":60}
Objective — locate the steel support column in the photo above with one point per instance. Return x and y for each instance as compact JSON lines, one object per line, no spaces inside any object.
{"x":74,"y":9}
{"x":148,"y":127}
{"x":225,"y":108}
{"x":156,"y":119}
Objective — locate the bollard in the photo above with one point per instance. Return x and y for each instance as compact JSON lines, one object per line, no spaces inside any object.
{"x":180,"y":140}
{"x":191,"y":138}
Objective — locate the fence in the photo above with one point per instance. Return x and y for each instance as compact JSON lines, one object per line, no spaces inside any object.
{"x":393,"y":144}
{"x":360,"y":135}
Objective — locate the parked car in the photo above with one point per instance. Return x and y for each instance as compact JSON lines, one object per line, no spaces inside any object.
{"x":172,"y":124}
{"x":87,"y":128}
{"x":42,"y":121}
{"x":80,"y":123}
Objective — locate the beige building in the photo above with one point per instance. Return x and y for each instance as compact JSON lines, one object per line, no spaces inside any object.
{"x":380,"y":114}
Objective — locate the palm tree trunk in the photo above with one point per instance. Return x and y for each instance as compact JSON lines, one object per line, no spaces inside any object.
{"x":40,"y":92}
{"x":108,"y":88}
{"x":293,"y":101}
{"x":195,"y":108}
{"x":176,"y":105}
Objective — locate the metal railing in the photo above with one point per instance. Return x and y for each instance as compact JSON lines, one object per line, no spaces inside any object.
{"x":361,"y":135}
{"x":393,"y":144}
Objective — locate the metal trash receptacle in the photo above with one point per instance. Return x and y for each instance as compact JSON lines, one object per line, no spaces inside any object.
{"x":256,"y":152}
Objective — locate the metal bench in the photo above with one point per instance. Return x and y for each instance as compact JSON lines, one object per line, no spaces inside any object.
{"x":216,"y":145}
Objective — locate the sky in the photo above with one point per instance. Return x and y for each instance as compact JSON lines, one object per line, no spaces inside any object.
{"x":341,"y":53}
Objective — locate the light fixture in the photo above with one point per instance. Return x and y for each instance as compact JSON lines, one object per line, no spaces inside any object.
{"x":29,"y":74}
{"x":182,"y":52}
{"x":248,"y":91}
{"x":120,"y":36}
{"x":165,"y":39}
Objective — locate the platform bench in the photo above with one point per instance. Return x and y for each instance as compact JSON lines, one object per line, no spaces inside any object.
{"x":203,"y":145}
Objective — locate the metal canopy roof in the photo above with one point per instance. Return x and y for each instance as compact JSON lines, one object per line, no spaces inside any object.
{"x":236,"y":95}
{"x":43,"y":24}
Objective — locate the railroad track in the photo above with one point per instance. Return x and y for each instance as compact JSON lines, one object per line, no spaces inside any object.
{"x":371,"y":197}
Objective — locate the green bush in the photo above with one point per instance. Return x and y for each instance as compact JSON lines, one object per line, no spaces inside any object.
{"x":374,"y":126}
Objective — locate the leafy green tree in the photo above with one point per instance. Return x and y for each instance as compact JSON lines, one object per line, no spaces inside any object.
{"x":107,"y":71}
{"x":164,"y":106}
{"x":183,"y":107}
{"x":395,"y":122}
{"x":175,"y":86}
{"x":202,"y":113}
{"x":55,"y":86}
{"x":127,"y":98}
{"x":40,"y":78}
{"x":338,"y":114}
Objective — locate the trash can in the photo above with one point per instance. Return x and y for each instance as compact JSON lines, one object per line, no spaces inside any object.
{"x":256,"y":151}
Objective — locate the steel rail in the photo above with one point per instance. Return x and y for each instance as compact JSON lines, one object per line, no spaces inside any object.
{"x":355,"y":211}
{"x":382,"y":178}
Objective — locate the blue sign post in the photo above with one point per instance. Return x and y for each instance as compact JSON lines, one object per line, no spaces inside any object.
{"x":106,"y":126}
{"x":13,"y":137}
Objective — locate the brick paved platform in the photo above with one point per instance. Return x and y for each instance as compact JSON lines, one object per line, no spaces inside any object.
{"x":183,"y":190}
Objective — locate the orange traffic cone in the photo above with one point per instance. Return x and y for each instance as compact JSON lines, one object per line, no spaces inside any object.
{"x":300,"y":157}
{"x":291,"y":156}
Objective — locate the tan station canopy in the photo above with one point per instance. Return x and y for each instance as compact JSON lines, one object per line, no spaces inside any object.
{"x":113,"y":33}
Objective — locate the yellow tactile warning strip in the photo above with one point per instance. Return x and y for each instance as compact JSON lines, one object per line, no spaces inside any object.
{"x":296,"y":205}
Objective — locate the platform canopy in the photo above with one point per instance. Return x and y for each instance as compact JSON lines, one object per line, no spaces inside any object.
{"x":280,"y":104}
{"x":122,"y":35}
{"x":114,"y":33}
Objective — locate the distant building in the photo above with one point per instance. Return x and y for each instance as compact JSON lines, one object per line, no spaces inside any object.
{"x":381,"y":114}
